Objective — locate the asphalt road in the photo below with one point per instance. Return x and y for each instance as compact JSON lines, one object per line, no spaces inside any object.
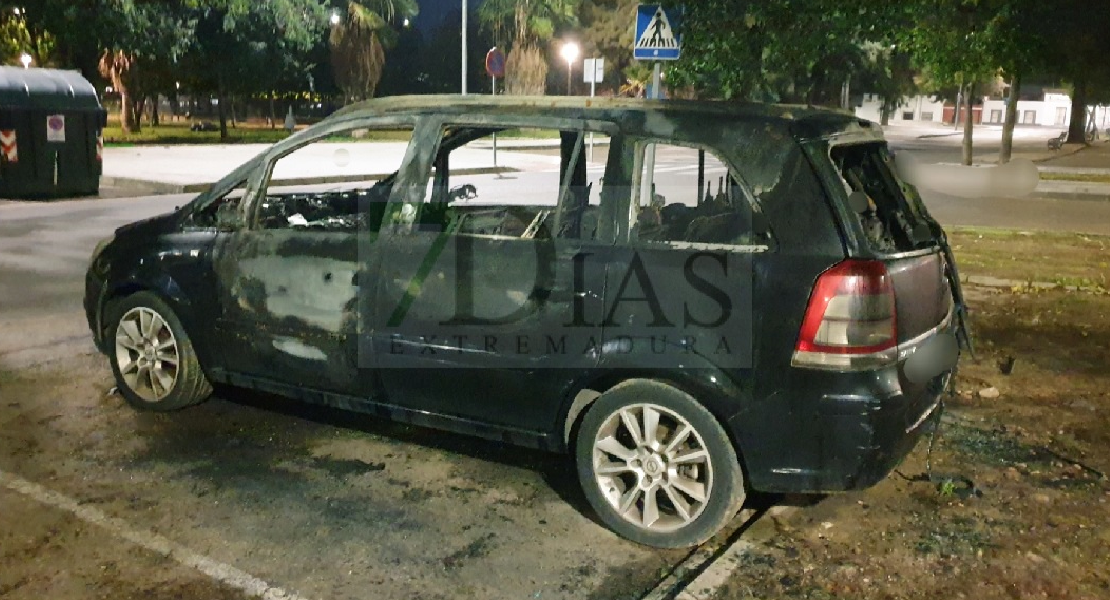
{"x":316,"y":502}
{"x":308,"y":501}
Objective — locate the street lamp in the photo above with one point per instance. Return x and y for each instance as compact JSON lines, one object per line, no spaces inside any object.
{"x":334,"y":18}
{"x":569,"y":52}
{"x":25,"y":59}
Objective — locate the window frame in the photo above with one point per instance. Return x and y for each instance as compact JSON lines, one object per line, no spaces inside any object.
{"x":638,"y":145}
{"x":582,"y":126}
{"x":264,"y":174}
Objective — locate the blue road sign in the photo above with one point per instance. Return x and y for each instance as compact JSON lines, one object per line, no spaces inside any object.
{"x":655,"y":33}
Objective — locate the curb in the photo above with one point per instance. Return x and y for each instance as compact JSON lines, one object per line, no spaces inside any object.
{"x":1016,"y":284}
{"x":1080,"y":196}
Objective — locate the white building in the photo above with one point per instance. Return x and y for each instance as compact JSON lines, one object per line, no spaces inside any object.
{"x":1053,"y":111}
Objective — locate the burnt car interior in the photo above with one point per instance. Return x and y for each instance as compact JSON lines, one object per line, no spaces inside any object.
{"x":333,"y":210}
{"x":528,"y":202}
{"x":707,"y":213}
{"x":890,"y":221}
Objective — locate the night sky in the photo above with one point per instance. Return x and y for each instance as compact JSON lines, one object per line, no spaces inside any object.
{"x":432,"y":12}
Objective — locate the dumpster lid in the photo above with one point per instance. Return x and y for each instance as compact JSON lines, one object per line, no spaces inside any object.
{"x":51,"y":89}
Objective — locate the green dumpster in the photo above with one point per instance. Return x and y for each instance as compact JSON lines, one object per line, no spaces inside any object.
{"x":51,"y":124}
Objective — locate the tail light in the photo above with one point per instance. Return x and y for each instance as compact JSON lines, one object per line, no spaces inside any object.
{"x":850,"y":322}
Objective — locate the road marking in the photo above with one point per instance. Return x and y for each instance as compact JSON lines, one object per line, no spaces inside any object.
{"x":711,"y":564}
{"x":219,"y":571}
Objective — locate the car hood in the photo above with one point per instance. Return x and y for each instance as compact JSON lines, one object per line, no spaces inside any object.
{"x":152,"y":226}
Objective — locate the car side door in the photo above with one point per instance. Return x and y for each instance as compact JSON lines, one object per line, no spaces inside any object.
{"x":293,"y":278}
{"x":485,"y":309}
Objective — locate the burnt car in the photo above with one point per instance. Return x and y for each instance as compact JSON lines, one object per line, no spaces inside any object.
{"x":695,"y":300}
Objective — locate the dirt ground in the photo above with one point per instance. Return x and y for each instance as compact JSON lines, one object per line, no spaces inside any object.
{"x":1018,"y":507}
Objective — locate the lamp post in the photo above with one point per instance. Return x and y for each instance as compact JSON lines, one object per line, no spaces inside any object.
{"x":569,"y":52}
{"x":463,"y":51}
{"x":25,"y":59}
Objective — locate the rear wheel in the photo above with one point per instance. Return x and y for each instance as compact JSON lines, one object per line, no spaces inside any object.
{"x":657,"y":467}
{"x":152,"y":357}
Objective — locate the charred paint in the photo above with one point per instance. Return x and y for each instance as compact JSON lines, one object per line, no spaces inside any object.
{"x":304,"y":313}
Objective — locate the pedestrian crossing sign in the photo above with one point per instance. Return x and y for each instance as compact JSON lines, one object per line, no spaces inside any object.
{"x":655,"y":33}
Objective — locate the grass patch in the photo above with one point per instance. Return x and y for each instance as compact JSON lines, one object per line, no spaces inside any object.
{"x":1064,"y":258}
{"x":1083,"y":177}
{"x":178,"y":133}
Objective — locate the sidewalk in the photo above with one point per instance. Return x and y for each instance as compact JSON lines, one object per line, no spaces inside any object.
{"x":185,"y":168}
{"x":180,"y":169}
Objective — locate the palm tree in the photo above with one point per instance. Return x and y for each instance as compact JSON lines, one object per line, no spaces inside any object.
{"x":527,"y":24}
{"x":122,"y":69}
{"x":359,"y":40}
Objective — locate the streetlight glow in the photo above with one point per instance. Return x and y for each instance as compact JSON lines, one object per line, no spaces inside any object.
{"x":334,"y":18}
{"x":25,"y":59}
{"x":569,"y":52}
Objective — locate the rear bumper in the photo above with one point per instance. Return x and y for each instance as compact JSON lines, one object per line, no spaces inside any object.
{"x":867,"y":437}
{"x":829,"y":431}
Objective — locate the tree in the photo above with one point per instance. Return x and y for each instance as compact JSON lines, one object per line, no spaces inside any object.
{"x":1019,"y":47}
{"x":608,"y":29}
{"x":1076,"y":50}
{"x":16,"y":39}
{"x":140,"y":35}
{"x":358,"y":43}
{"x":888,"y":72}
{"x":775,"y":50}
{"x":523,"y":25}
{"x":242,"y":46}
{"x":955,"y":41}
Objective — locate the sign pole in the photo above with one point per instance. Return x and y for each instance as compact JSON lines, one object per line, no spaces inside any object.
{"x":593,"y":88}
{"x":655,"y":40}
{"x":494,"y":93}
{"x":463,"y":52}
{"x":647,"y":192}
{"x":495,"y":67}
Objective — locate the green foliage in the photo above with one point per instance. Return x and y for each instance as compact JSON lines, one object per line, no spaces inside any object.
{"x":358,"y":42}
{"x":608,"y":31}
{"x":17,"y":39}
{"x":775,"y":50}
{"x":526,"y":22}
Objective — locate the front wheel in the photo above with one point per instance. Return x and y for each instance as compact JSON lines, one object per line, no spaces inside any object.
{"x":152,"y":358}
{"x":657,"y":466}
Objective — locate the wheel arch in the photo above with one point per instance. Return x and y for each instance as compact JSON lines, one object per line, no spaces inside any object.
{"x":166,"y":289}
{"x":712,"y":388}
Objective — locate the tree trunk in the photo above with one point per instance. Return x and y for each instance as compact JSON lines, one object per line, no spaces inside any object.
{"x":1007,"y":148}
{"x":273,"y":117}
{"x":155,"y":119}
{"x":968,"y":124}
{"x":126,"y":112}
{"x":221,"y":105}
{"x":884,"y":115}
{"x":1077,"y":129}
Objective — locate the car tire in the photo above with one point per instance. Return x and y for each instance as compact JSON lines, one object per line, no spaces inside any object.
{"x":151,"y":356}
{"x":687,"y":467}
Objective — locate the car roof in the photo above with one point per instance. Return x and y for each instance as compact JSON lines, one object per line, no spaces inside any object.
{"x":802,"y":121}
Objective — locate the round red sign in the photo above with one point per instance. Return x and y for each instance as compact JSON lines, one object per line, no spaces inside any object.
{"x":495,"y":62}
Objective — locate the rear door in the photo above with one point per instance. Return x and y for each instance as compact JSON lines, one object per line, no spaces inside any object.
{"x":491,"y":286}
{"x":679,"y":295}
